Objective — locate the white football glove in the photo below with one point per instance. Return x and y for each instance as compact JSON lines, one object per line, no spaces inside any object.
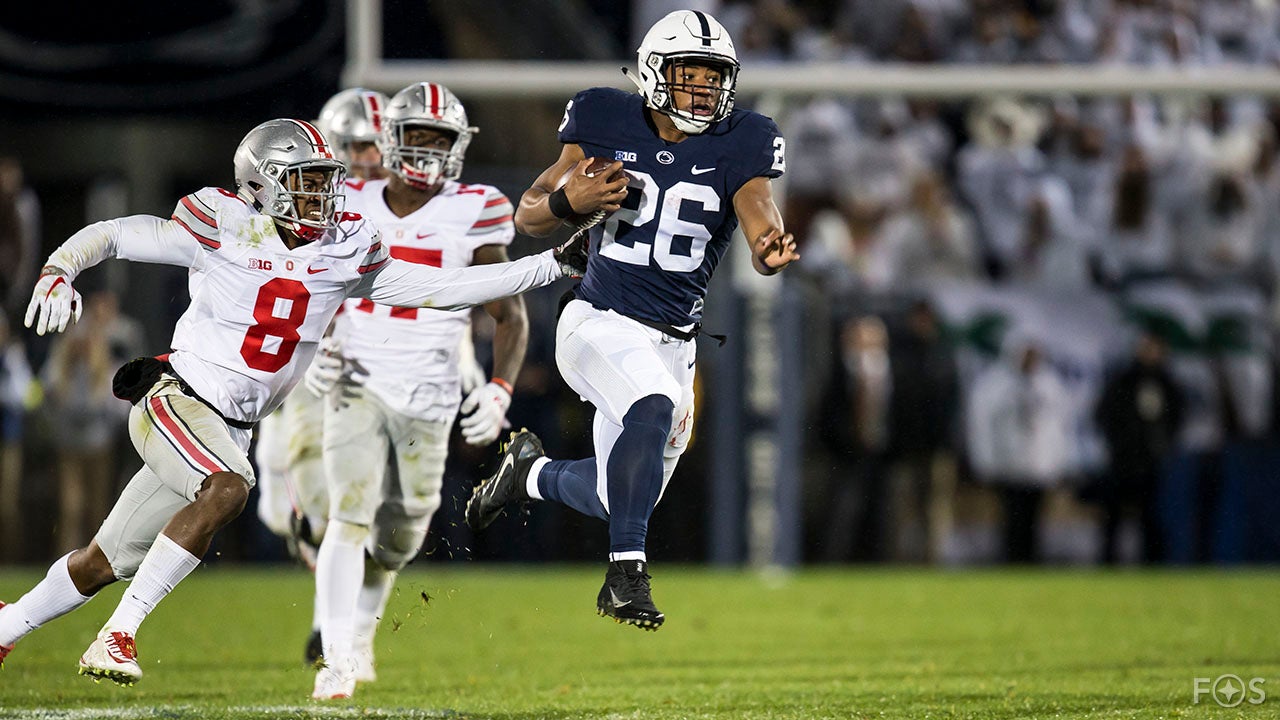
{"x":573,"y":254}
{"x":470,"y":372}
{"x":484,"y":413}
{"x":326,"y":369}
{"x":56,"y":303}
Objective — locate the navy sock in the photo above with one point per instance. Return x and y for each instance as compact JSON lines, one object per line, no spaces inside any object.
{"x":635,"y":471}
{"x":572,"y":483}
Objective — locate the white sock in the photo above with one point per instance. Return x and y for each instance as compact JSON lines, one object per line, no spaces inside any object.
{"x":316,"y":611}
{"x":372,"y":601}
{"x":531,"y":482}
{"x":629,"y":555}
{"x":163,"y":567}
{"x":52,"y":597}
{"x":339,"y":572}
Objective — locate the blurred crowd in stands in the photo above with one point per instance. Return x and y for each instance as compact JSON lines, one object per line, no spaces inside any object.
{"x":1051,"y":315}
{"x":1044,"y":328}
{"x":1140,"y":32}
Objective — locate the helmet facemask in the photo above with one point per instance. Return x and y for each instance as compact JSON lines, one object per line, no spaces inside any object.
{"x":427,"y":106}
{"x":420,"y":167}
{"x":306,"y":198}
{"x":695,"y":91}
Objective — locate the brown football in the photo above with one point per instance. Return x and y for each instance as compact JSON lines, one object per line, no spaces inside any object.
{"x":597,"y":165}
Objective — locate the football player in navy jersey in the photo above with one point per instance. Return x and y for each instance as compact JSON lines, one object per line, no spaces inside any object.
{"x":694,"y":168}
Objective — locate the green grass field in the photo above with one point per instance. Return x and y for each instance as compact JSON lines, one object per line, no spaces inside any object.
{"x":524,"y":642}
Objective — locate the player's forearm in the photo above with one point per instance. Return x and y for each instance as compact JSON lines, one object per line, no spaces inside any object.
{"x":510,"y":340}
{"x":408,"y":285}
{"x":143,"y":238}
{"x":86,"y":248}
{"x":534,"y":216}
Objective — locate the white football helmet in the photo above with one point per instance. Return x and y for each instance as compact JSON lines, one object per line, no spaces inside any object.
{"x":269,"y":164}
{"x":695,"y":37}
{"x":352,"y":116}
{"x":425,"y":105}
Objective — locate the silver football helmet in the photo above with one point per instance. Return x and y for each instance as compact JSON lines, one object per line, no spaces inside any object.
{"x":269,"y":164}
{"x":693,"y":37}
{"x":425,"y":105}
{"x":352,"y":116}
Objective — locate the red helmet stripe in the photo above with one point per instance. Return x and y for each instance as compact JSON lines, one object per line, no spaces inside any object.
{"x":375,"y":111}
{"x":316,"y":138}
{"x":435,"y":99}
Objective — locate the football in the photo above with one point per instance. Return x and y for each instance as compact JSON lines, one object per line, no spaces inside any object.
{"x":595,"y":166}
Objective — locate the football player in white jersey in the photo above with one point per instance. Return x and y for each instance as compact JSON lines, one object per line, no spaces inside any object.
{"x":386,"y":440}
{"x":269,"y":266}
{"x":293,"y":497}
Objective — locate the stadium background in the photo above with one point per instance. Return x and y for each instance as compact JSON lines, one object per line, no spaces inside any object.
{"x":118,"y":111}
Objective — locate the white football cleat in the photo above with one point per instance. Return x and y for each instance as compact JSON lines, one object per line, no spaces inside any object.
{"x":365,"y":671}
{"x":112,"y":655}
{"x":335,"y":681}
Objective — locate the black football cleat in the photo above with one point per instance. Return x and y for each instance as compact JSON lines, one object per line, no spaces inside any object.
{"x":315,"y":650}
{"x":507,"y":485}
{"x":625,"y":596}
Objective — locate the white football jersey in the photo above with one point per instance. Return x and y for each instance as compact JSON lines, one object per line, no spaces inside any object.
{"x":411,"y":355}
{"x":259,"y":309}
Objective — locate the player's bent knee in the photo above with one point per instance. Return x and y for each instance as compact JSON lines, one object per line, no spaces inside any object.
{"x":395,"y":558}
{"x":395,"y":548}
{"x":90,"y":570}
{"x":653,"y":410}
{"x":225,"y":493}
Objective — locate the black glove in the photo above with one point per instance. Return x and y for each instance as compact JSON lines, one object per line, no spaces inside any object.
{"x":572,"y":255}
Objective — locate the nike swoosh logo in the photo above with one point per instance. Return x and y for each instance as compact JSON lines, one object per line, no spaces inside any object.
{"x":508,"y":461}
{"x":695,"y":170}
{"x":617,"y":601}
{"x":313,"y":271}
{"x":424,"y":235}
{"x":348,"y":255}
{"x":692,"y":363}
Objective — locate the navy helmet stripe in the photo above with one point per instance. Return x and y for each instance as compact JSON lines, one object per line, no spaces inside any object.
{"x":706,"y":28}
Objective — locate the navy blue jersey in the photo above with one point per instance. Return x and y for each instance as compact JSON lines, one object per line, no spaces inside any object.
{"x":653,"y":258}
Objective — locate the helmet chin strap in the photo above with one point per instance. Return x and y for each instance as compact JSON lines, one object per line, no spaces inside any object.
{"x":305,"y":233}
{"x":689,"y":127}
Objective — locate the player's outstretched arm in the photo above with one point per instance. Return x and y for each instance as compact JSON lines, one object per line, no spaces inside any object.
{"x":546,"y":204}
{"x":772,"y":247}
{"x":55,"y":304}
{"x":406,"y":284}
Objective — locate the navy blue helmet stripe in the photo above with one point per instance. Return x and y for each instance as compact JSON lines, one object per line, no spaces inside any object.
{"x":706,"y":28}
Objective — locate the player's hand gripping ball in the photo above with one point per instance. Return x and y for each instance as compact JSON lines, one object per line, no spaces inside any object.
{"x":595,"y":167}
